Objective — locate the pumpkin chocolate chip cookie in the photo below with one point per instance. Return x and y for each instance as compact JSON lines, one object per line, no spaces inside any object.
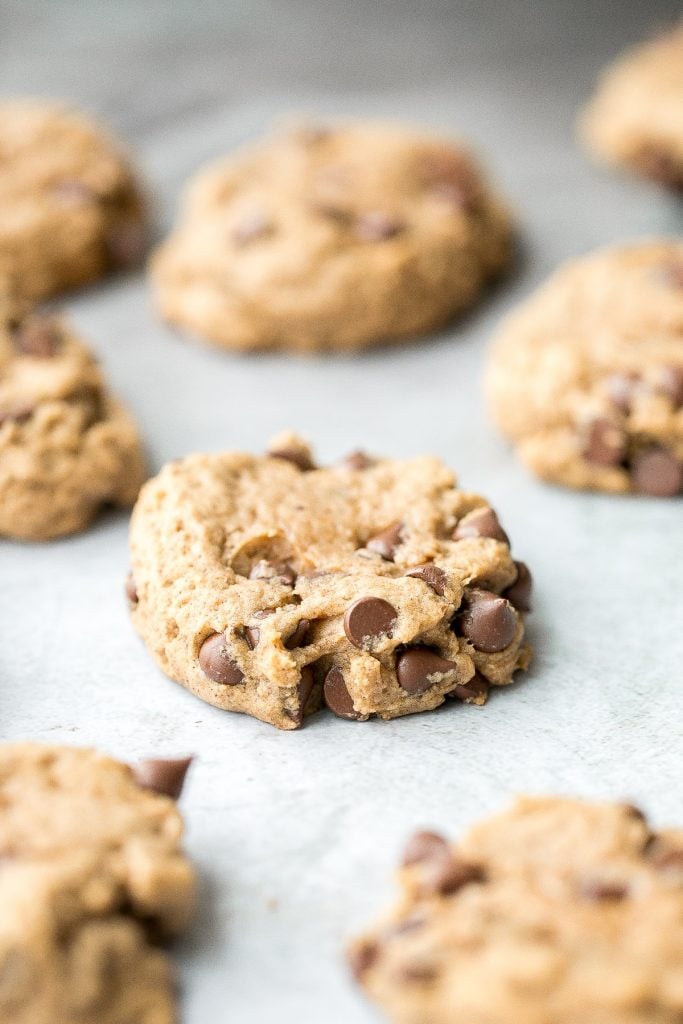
{"x":586,"y":377}
{"x":70,"y":207}
{"x":92,"y":879}
{"x":331,"y":238}
{"x":376,"y":587}
{"x":555,"y":911}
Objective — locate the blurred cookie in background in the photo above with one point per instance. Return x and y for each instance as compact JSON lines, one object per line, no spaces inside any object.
{"x":71,"y":209}
{"x":331,"y":237}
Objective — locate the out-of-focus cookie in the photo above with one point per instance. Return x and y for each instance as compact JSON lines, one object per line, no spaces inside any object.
{"x":70,"y":206}
{"x":331,"y":238}
{"x":268,"y":586}
{"x":635,"y":118}
{"x":92,"y":879}
{"x":66,"y":446}
{"x":555,"y":912}
{"x":586,"y":377}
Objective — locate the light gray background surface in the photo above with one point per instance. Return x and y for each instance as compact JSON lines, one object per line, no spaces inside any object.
{"x":295,"y":834}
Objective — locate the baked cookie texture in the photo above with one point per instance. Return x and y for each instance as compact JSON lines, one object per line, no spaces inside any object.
{"x":586,"y":377}
{"x":92,"y":879}
{"x":66,"y":446}
{"x":70,"y":206}
{"x":554,"y":912}
{"x":268,"y":586}
{"x":331,"y":238}
{"x":635,"y":118}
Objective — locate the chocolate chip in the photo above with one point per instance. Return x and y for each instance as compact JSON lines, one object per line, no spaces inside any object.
{"x":657,"y":472}
{"x":386,"y":542}
{"x":483,"y":522}
{"x":280,"y":571}
{"x":670,"y":383}
{"x":471,"y":690}
{"x":661,"y":166}
{"x":519,"y":594}
{"x":252,"y":634}
{"x":39,"y":337}
{"x":368,"y":619}
{"x":165,"y":776}
{"x":430,"y":574}
{"x":131,"y":589}
{"x":337,"y":697}
{"x":376,"y":226}
{"x":489,"y":622}
{"x":603,"y":443}
{"x":252,"y":226}
{"x":298,"y":637}
{"x":216,"y":662}
{"x":419,"y":668}
{"x":424,"y":846}
{"x":603,"y":891}
{"x":362,"y":957}
{"x":447,"y":875}
{"x":668,"y":861}
{"x":305,"y":686}
{"x":126,"y":243}
{"x":356,"y":460}
{"x":621,"y":388}
{"x":297,"y":456}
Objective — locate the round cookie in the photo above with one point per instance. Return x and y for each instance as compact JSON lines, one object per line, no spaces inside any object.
{"x":636,"y":117}
{"x":555,"y":912}
{"x":268,"y":586}
{"x":66,"y":446}
{"x":70,"y":207}
{"x":331,"y":238}
{"x":92,"y":878}
{"x":586,"y":377}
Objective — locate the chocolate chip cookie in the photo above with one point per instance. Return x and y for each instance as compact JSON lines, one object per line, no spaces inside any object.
{"x":70,"y":207}
{"x":331,"y":238}
{"x":586,"y":377}
{"x":92,"y":879}
{"x":268,"y":586}
{"x":555,"y":911}
{"x":636,"y":117}
{"x":66,"y":446}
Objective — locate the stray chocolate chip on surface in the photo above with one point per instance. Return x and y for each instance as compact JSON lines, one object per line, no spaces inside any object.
{"x":162,"y":775}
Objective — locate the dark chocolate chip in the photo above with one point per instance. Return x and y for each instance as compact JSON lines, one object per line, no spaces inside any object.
{"x":298,"y":637}
{"x":163,"y":775}
{"x":356,"y":460}
{"x":419,"y":668}
{"x":430,"y":574}
{"x":304,"y":689}
{"x":657,"y":472}
{"x":368,"y":619}
{"x":252,"y":634}
{"x":621,"y":388}
{"x":483,"y":522}
{"x":39,"y":337}
{"x":603,"y":891}
{"x":216,"y":662}
{"x":603,"y":443}
{"x":670,"y":383}
{"x":519,"y":594}
{"x":280,"y":571}
{"x":131,"y":589}
{"x":471,"y":690}
{"x":251,"y":227}
{"x":362,"y":957}
{"x":376,"y":226}
{"x":337,"y":697}
{"x":489,"y":622}
{"x":298,"y":457}
{"x":386,"y":542}
{"x":424,"y":846}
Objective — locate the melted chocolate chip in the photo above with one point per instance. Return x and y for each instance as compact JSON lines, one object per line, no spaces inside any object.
{"x":131,"y":589}
{"x":386,"y":542}
{"x":430,"y":574}
{"x":519,"y":594}
{"x":298,"y":637}
{"x":489,"y":622}
{"x":280,"y":571}
{"x":657,"y":472}
{"x":162,"y":775}
{"x":368,"y":619}
{"x":337,"y":697}
{"x":471,"y":690}
{"x":419,"y":668}
{"x":216,"y":663}
{"x":483,"y":522}
{"x":304,"y":690}
{"x":603,"y":443}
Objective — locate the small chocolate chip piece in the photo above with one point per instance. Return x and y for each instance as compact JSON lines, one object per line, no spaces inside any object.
{"x":470,"y":691}
{"x":430,"y":574}
{"x":299,"y":457}
{"x":621,"y":388}
{"x":424,"y":846}
{"x":368,"y":619}
{"x":670,"y":383}
{"x":356,"y":460}
{"x":39,"y":337}
{"x":216,"y":663}
{"x":483,"y":522}
{"x":598,"y":891}
{"x":519,"y":594}
{"x":280,"y":571}
{"x":386,"y":542}
{"x":131,"y":589}
{"x":252,"y":634}
{"x":362,"y":957}
{"x":657,"y":472}
{"x":304,"y":689}
{"x":376,"y":226}
{"x":418,"y":668}
{"x":165,"y":776}
{"x":337,"y":697}
{"x":251,"y":227}
{"x":298,"y":637}
{"x":489,"y":622}
{"x":603,"y":443}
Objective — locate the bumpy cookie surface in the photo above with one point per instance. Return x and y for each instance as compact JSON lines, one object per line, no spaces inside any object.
{"x":267,"y":586}
{"x":66,"y":446}
{"x":636,"y":116}
{"x":70,"y":209}
{"x":555,"y":912}
{"x":586,"y":377}
{"x":331,"y":239}
{"x":92,"y":875}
